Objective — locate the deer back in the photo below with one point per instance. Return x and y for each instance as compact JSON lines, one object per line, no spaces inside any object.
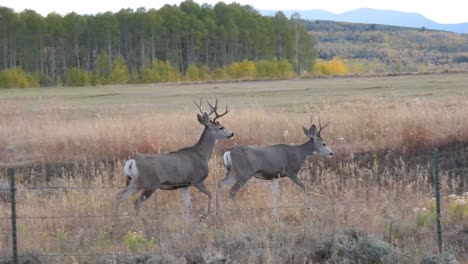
{"x":268,"y":160}
{"x":177,"y":168}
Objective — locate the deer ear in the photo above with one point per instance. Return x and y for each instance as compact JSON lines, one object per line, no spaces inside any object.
{"x":313,"y":130}
{"x":204,"y":120}
{"x":306,"y":132}
{"x":200,"y":119}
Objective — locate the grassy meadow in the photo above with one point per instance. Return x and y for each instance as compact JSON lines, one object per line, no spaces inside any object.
{"x":371,"y":203}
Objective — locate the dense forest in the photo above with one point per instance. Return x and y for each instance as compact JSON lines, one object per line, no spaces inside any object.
{"x":193,"y":42}
{"x":172,"y":43}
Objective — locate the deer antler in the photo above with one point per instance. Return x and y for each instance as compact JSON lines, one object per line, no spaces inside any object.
{"x":321,"y":127}
{"x":214,"y":109}
{"x":199,"y":106}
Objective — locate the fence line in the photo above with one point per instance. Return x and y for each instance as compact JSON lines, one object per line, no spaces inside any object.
{"x":65,"y":188}
{"x":11,"y":174}
{"x":59,"y":188}
{"x":90,"y":187}
{"x":291,"y":206}
{"x":435,"y":170}
{"x":330,"y":202}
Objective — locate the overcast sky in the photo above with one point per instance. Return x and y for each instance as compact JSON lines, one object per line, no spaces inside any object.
{"x":446,"y":11}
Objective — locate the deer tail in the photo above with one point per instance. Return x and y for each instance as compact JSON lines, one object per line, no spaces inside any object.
{"x":131,"y":170}
{"x":227,"y":160}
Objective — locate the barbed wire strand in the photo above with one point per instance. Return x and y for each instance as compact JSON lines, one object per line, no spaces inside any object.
{"x":292,"y":206}
{"x":181,"y":185}
{"x":180,"y":213}
{"x":159,"y":214}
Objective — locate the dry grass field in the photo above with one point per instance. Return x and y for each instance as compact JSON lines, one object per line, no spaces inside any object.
{"x":68,"y":146}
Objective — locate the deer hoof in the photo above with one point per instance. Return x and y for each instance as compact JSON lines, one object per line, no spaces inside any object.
{"x":204,"y":216}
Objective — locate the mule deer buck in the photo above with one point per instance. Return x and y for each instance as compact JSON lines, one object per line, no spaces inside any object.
{"x":270,"y":163}
{"x":175,"y":170}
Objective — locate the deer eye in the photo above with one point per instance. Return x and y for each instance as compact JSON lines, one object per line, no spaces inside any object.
{"x":221,"y":128}
{"x":324,"y":144}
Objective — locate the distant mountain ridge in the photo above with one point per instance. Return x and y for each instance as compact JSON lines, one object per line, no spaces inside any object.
{"x":375,"y":16}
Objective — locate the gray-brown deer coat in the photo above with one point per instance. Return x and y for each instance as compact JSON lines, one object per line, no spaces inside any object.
{"x":175,"y":170}
{"x":269,"y":163}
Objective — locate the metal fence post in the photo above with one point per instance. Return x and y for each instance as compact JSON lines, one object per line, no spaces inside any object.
{"x":437,"y":193}
{"x":11,"y":174}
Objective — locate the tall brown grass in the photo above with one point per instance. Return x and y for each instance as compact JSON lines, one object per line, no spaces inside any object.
{"x":76,"y":220}
{"x":53,"y":132}
{"x":362,"y":190}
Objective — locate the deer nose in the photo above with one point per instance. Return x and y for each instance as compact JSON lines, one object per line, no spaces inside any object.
{"x":331,"y":154}
{"x":232,"y":135}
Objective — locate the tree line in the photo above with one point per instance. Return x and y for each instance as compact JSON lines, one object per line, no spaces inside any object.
{"x":173,"y":43}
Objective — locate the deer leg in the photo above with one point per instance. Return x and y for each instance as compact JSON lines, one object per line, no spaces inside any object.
{"x":235,"y":189}
{"x":121,"y":196}
{"x":228,"y":180}
{"x":298,"y":182}
{"x":145,"y":194}
{"x":187,"y":203}
{"x":274,"y":195}
{"x":202,"y":188}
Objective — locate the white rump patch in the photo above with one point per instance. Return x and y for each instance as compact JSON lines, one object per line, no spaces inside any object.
{"x":227,"y":160}
{"x":131,"y":170}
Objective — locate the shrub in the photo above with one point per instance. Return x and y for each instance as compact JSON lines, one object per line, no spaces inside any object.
{"x":119,"y":74}
{"x":17,"y":78}
{"x":102,"y":68}
{"x":458,"y":206}
{"x":160,"y":71}
{"x":172,"y":73}
{"x":445,"y":258}
{"x":335,"y":66}
{"x":135,"y":241}
{"x":78,"y":77}
{"x":135,"y":76}
{"x":267,"y":69}
{"x":286,"y":69}
{"x":139,"y":258}
{"x":192,"y":73}
{"x":373,"y":250}
{"x":204,"y":73}
{"x":242,"y":70}
{"x":348,"y":247}
{"x":460,"y":59}
{"x":424,"y":216}
{"x":220,"y":74}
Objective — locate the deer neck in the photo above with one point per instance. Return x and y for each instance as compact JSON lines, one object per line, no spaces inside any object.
{"x":306,"y":149}
{"x":205,"y":144}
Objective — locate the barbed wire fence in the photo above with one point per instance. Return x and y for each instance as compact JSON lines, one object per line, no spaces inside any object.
{"x":14,"y":218}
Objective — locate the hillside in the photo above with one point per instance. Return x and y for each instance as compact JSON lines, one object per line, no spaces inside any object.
{"x":402,"y":49}
{"x":376,"y":16}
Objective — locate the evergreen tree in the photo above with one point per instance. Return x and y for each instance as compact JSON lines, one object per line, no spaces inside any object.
{"x":168,"y":44}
